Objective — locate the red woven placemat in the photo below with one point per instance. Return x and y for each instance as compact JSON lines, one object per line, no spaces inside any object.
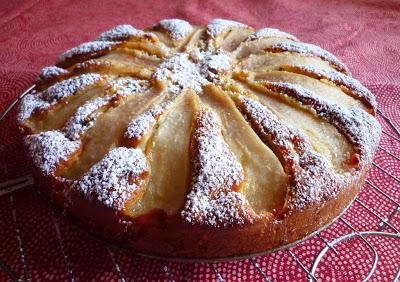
{"x":36,"y":243}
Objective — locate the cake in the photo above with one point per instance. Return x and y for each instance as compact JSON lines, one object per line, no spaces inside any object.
{"x":199,"y":142}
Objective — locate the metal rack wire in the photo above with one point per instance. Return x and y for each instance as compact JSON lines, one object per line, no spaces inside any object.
{"x":386,"y":228}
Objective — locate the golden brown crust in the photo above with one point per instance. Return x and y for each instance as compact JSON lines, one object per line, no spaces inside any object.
{"x":157,"y":235}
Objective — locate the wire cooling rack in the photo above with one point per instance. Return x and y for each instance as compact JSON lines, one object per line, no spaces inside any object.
{"x":356,"y":254}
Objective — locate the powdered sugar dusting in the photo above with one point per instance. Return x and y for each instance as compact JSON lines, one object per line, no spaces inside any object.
{"x":121,"y":32}
{"x":29,"y":104}
{"x":193,"y":70}
{"x":353,"y":85}
{"x":88,"y":48}
{"x":93,"y":64}
{"x":51,"y":72}
{"x":213,"y":64}
{"x":182,"y":72}
{"x":138,"y":127}
{"x":116,"y":178}
{"x":86,"y":115}
{"x":313,"y":179}
{"x":271,"y":32}
{"x":213,"y":199}
{"x":49,"y":149}
{"x":215,"y":173}
{"x":178,"y":29}
{"x":306,"y":49}
{"x":125,"y":86}
{"x":142,"y":124}
{"x":218,"y":26}
{"x":69,"y":87}
{"x":359,"y":127}
{"x":84,"y":118}
{"x":52,"y":95}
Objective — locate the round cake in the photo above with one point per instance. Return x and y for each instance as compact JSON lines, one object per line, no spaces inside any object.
{"x":199,"y":142}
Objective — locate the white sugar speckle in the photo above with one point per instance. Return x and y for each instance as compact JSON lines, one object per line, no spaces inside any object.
{"x":50,"y":73}
{"x":179,"y":70}
{"x":69,"y":87}
{"x":313,"y":177}
{"x":84,"y":118}
{"x":125,"y":86}
{"x":178,"y":29}
{"x":219,"y":26}
{"x":49,"y":149}
{"x":352,"y":85}
{"x":215,"y":173}
{"x":88,"y":48}
{"x":214,"y":64}
{"x":29,"y":104}
{"x":193,"y":70}
{"x":121,"y":32}
{"x":306,"y":49}
{"x":52,"y":95}
{"x":359,"y":127}
{"x":86,"y":115}
{"x":138,"y":127}
{"x":116,"y":178}
{"x":142,"y":124}
{"x":271,"y":32}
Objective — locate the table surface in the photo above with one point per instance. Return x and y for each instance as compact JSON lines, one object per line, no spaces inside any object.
{"x":36,"y":243}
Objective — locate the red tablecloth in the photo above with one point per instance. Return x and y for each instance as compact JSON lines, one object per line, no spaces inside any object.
{"x":35,"y":243}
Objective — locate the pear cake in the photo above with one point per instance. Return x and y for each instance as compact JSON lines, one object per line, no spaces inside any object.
{"x":199,"y":142}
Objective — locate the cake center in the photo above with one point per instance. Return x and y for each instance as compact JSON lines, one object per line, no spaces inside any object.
{"x":193,"y":69}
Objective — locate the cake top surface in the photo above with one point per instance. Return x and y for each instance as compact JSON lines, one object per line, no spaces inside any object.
{"x":98,"y":118}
